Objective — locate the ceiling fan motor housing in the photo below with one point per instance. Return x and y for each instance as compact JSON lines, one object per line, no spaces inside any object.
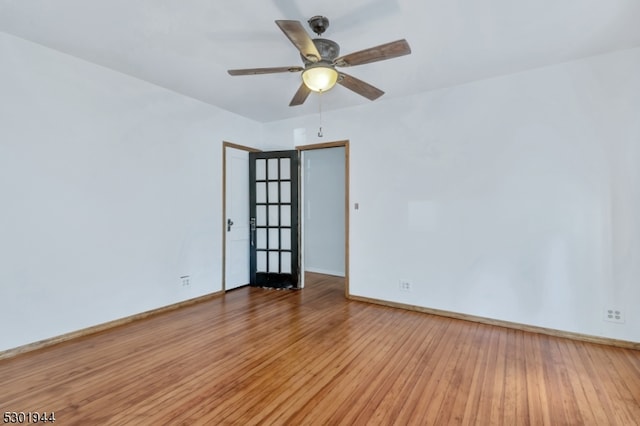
{"x":328,"y":49}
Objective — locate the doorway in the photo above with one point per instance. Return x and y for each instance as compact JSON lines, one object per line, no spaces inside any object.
{"x":325,"y":209}
{"x":236,"y":249}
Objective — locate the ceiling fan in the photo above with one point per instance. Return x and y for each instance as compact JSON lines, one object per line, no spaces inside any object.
{"x":320,"y":58}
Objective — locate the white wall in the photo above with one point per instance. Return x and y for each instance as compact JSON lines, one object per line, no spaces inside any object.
{"x":110,"y":191}
{"x":323,"y":221}
{"x":515,"y":198}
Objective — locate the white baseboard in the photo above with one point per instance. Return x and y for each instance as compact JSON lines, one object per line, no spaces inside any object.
{"x":324,"y":271}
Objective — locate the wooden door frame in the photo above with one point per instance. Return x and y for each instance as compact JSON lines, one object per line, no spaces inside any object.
{"x":338,"y":144}
{"x":226,"y":145}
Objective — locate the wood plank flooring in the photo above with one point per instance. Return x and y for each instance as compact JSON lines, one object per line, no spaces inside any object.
{"x":258,"y":356}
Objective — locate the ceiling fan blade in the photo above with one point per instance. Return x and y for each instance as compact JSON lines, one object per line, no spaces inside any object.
{"x":299,"y":37}
{"x":300,"y":96}
{"x":360,"y":87}
{"x":254,"y":71}
{"x":373,"y":54}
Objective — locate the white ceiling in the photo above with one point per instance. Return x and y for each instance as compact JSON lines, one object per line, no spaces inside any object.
{"x":187,"y":45}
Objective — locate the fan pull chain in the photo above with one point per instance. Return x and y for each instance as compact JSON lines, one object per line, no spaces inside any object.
{"x":320,"y":112}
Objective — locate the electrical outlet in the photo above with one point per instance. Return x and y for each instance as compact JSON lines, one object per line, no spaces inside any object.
{"x":185,"y":280}
{"x":613,"y":315}
{"x":404,"y":285}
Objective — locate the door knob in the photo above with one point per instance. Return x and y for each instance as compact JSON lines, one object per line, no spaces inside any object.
{"x":229,"y":224}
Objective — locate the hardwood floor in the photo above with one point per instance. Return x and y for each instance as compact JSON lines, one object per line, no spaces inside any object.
{"x":312,"y":357}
